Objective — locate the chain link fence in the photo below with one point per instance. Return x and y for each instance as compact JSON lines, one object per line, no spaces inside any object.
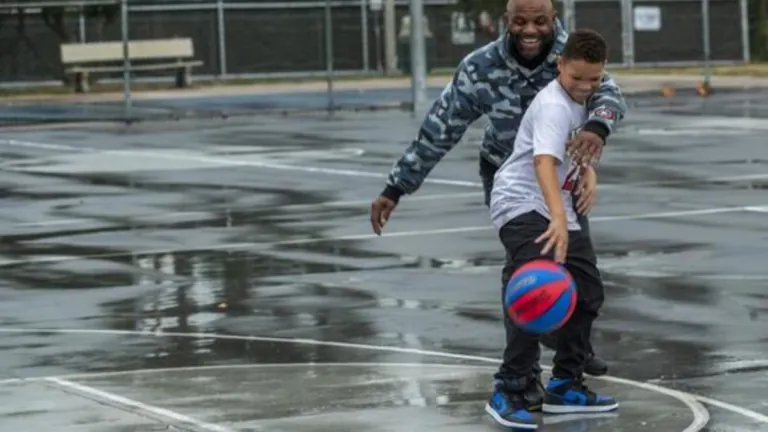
{"x":241,"y":42}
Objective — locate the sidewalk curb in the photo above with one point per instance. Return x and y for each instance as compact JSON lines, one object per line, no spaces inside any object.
{"x":665,"y":85}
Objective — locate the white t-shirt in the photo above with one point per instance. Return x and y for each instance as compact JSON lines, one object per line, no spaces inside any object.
{"x":552,"y":118}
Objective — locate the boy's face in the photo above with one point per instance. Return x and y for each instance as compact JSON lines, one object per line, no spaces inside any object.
{"x":580,"y":78}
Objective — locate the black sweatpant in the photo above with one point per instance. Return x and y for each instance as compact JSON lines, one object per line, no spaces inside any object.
{"x":573,"y":347}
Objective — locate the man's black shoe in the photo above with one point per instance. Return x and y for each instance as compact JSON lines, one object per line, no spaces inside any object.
{"x":596,"y":366}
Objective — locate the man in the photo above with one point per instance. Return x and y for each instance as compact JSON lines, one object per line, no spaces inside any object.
{"x":531,"y":206}
{"x":500,"y":80}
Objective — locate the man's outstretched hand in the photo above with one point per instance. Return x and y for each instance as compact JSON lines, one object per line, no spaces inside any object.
{"x":381,"y":209}
{"x":585,"y":148}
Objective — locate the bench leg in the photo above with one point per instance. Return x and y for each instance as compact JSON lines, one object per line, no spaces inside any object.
{"x":81,"y":82}
{"x":183,"y":77}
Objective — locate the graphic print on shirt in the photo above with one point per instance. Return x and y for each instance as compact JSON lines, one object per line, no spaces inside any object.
{"x":571,"y":177}
{"x":573,"y":169}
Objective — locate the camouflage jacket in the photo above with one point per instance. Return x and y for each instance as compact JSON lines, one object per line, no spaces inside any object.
{"x":490,"y":81}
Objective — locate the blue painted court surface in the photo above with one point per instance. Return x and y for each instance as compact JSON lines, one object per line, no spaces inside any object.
{"x":212,"y":274}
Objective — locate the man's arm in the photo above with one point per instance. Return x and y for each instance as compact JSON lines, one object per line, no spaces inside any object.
{"x":444,"y":126}
{"x":607,"y":108}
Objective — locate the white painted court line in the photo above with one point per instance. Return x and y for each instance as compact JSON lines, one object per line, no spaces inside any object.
{"x":302,"y":365}
{"x":95,"y":375}
{"x":333,"y":171}
{"x":159,"y":217}
{"x":680,"y":182}
{"x":227,"y":162}
{"x":310,"y":169}
{"x":367,"y":236}
{"x":700,"y":413}
{"x":141,"y":407}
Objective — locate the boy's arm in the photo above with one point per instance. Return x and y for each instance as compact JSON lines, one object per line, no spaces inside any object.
{"x":546,"y":174}
{"x":550,"y":133}
{"x":445,"y":124}
{"x":551,"y":127}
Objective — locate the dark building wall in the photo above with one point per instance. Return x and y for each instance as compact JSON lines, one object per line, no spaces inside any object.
{"x":292,"y":39}
{"x":680,"y":37}
{"x":605,"y":17}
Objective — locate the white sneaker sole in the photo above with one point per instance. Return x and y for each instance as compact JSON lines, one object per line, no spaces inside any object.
{"x":554,"y":419}
{"x":497,"y":418}
{"x":576,"y":409}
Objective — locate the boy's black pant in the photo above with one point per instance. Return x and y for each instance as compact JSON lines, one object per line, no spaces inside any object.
{"x":573,"y":339}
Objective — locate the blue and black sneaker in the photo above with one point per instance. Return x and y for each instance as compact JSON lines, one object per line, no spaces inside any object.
{"x":509,"y":409}
{"x":571,"y":396}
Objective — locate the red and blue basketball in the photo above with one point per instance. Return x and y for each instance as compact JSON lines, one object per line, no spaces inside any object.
{"x":540,"y":296}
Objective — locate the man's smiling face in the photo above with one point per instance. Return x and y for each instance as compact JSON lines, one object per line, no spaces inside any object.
{"x":531,"y":25}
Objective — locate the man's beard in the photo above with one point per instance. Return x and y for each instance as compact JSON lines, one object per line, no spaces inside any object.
{"x":521,"y":44}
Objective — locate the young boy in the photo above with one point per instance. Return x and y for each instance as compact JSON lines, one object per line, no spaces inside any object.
{"x":532,"y":207}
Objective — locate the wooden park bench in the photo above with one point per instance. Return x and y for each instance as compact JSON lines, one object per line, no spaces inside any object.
{"x":83,"y":59}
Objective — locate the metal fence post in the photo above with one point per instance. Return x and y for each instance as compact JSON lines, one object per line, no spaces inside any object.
{"x":390,"y":37}
{"x":628,"y":32}
{"x":364,"y":32}
{"x":744,"y":7}
{"x":126,"y":58}
{"x":222,"y":35}
{"x":329,"y":52}
{"x":81,"y":25}
{"x":705,"y":40}
{"x":418,"y":56}
{"x":569,"y":14}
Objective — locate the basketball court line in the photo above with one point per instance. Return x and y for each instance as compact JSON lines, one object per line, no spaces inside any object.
{"x":330,"y":171}
{"x":161,"y":216}
{"x":304,"y":365}
{"x":320,"y":170}
{"x":726,"y":277}
{"x":95,"y":375}
{"x":723,"y":405}
{"x":225,"y":161}
{"x":700,"y":413}
{"x":125,"y":404}
{"x":370,"y":236}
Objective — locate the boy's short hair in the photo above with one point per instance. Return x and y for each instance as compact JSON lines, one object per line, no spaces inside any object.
{"x":587,"y":45}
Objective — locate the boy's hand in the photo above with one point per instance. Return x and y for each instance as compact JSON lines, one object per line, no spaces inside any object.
{"x":586,"y":191}
{"x":557,"y":237}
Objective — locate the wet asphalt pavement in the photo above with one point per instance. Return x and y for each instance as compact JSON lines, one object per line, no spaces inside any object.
{"x":219,"y":275}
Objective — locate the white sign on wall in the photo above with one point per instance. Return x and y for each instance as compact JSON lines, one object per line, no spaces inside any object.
{"x":462,"y":29}
{"x":647,"y":18}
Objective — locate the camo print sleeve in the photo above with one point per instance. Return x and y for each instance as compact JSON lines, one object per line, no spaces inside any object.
{"x":607,"y":107}
{"x":443,"y":127}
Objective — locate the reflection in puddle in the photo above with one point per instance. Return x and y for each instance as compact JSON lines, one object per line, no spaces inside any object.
{"x":206,"y":290}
